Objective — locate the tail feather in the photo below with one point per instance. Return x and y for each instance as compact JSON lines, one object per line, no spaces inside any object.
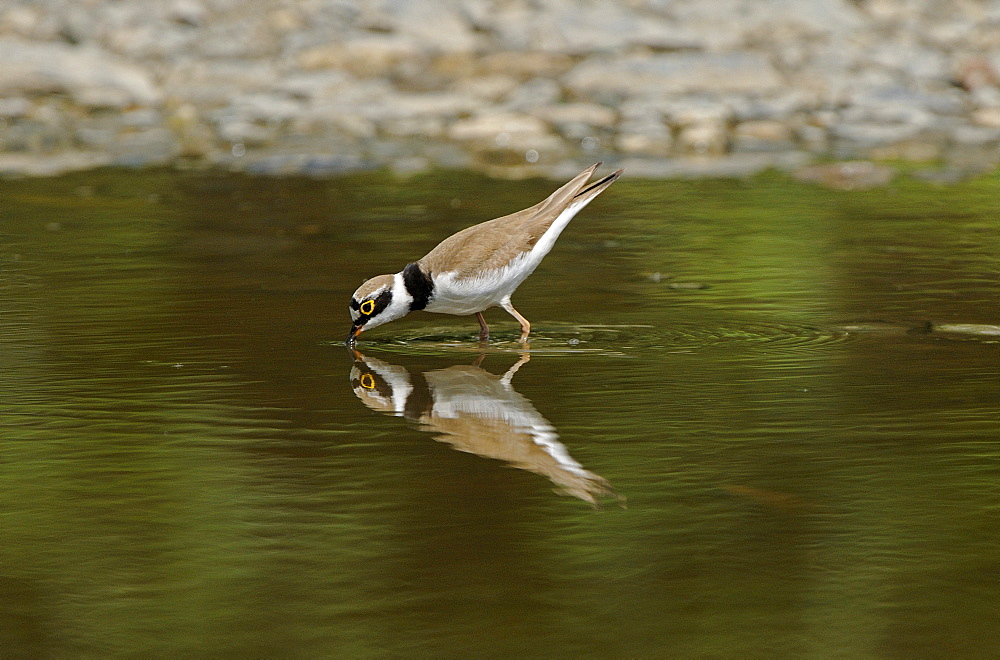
{"x":599,"y":186}
{"x":562,"y":197}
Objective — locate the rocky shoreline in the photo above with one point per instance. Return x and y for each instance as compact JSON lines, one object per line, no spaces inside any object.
{"x":667,"y":88}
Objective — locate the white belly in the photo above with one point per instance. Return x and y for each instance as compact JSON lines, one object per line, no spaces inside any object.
{"x":468,"y":295}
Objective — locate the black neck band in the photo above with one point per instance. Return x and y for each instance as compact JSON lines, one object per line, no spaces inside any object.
{"x":419,"y":285}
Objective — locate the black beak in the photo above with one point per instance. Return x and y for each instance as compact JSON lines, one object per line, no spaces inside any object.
{"x":355,"y":331}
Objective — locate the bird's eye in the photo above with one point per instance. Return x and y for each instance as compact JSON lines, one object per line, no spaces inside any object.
{"x":368,"y":381}
{"x":367,"y":307}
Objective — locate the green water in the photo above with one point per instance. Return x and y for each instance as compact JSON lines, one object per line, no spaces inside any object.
{"x":756,"y":419}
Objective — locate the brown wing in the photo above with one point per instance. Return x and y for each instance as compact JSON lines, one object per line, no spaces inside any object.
{"x":494,"y":243}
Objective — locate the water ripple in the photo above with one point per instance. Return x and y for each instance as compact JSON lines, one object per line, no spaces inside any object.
{"x":619,"y":340}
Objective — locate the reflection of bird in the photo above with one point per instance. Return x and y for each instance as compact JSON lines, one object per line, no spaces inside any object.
{"x":479,"y":267}
{"x":477,"y":412}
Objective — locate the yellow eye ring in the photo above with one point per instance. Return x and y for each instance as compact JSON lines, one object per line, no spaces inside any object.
{"x":367,"y":307}
{"x":368,"y":381}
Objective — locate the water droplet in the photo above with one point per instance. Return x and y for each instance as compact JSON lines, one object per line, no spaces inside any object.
{"x":531,"y":156}
{"x":239,"y":150}
{"x":590,"y":143}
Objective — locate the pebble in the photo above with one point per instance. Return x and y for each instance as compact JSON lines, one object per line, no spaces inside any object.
{"x":647,"y":138}
{"x":587,"y":114}
{"x":674,"y":74}
{"x":988,"y":117}
{"x":762,"y":135}
{"x":707,"y":137}
{"x":500,"y":128}
{"x":53,"y":165}
{"x":854,"y":175}
{"x":90,"y":77}
{"x":15,"y":107}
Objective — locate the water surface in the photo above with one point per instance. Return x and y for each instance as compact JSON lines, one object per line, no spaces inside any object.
{"x":756,"y":419}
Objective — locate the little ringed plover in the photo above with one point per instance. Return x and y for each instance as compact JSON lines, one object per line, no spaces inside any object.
{"x":479,"y":267}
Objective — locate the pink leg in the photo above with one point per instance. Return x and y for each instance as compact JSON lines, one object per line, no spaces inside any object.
{"x":484,"y":330}
{"x":525,"y":326}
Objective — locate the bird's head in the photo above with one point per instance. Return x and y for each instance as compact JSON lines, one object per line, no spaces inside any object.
{"x":379,"y":300}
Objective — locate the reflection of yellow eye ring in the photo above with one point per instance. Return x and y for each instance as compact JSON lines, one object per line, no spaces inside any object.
{"x":367,"y":307}
{"x":368,"y":381}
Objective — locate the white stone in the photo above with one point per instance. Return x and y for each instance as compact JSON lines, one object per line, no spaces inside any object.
{"x":648,"y":139}
{"x":189,"y":12}
{"x":590,"y":114}
{"x":765,"y":130}
{"x":265,"y":107}
{"x":704,"y":138}
{"x":988,"y":117}
{"x":211,"y":82}
{"x":762,"y":136}
{"x":533,"y":94}
{"x":675,"y":73}
{"x":366,"y":56}
{"x":487,"y":88}
{"x":439,"y":26}
{"x":494,"y":126}
{"x":51,"y":164}
{"x":685,"y":112}
{"x":14,"y":107}
{"x":87,"y":74}
{"x":874,"y":134}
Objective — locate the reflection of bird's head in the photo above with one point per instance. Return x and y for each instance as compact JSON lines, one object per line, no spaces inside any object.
{"x":381,"y":386}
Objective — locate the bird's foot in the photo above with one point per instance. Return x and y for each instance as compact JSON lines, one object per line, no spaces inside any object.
{"x":484,"y":330}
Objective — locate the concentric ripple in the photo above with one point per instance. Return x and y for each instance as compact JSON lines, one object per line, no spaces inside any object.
{"x":774,"y":335}
{"x":617,"y":340}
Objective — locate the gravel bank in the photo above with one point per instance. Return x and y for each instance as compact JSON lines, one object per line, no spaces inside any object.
{"x":514,"y":87}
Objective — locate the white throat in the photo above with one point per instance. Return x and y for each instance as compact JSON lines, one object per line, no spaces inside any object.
{"x":399,"y":304}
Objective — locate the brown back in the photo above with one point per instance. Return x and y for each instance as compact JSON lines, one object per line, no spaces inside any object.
{"x":494,"y":243}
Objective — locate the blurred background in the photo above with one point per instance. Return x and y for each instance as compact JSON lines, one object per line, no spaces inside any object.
{"x":773,"y":405}
{"x":511,"y":87}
